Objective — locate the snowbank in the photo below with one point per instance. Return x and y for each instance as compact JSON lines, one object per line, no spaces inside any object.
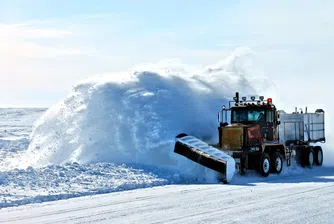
{"x":133,"y":117}
{"x":57,"y":182}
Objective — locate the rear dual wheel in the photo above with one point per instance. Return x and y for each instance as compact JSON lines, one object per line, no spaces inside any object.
{"x":311,"y":156}
{"x":273,"y":164}
{"x":318,"y":155}
{"x":277,"y":163}
{"x":307,"y":159}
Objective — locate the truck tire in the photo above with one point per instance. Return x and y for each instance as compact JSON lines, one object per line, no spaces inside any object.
{"x":277,"y":163}
{"x":318,"y":155}
{"x":307,"y":159}
{"x":264,"y":165}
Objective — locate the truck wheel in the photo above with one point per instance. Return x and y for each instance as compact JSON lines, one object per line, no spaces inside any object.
{"x":318,"y":155}
{"x":264,"y":165}
{"x":277,"y":163}
{"x":308,"y":157}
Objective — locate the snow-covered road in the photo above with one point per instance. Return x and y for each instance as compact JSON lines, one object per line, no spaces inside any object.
{"x":290,"y":199}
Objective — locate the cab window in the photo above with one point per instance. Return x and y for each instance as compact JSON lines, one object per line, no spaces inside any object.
{"x":270,"y":116}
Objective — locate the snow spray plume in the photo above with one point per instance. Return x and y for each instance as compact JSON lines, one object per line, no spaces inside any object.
{"x":134,"y":119}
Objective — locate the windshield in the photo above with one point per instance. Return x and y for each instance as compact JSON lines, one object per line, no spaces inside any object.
{"x":247,"y":115}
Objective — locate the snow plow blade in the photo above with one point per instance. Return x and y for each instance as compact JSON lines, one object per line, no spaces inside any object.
{"x":208,"y":156}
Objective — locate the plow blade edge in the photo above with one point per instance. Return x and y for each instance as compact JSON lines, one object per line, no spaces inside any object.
{"x":208,"y":156}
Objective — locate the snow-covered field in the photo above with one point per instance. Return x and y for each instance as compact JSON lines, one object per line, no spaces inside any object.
{"x":116,"y":135}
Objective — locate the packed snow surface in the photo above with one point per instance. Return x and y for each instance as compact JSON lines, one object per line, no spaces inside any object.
{"x":295,"y":199}
{"x":117,"y":132}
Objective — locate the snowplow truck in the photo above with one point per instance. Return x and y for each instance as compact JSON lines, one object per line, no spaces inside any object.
{"x":254,"y":135}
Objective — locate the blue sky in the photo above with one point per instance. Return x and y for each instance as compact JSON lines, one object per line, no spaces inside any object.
{"x":162,"y":11}
{"x":48,"y":46}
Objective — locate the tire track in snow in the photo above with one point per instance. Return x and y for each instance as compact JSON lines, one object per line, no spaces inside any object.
{"x":149,"y":206}
{"x":109,"y":204}
{"x":218,"y":212}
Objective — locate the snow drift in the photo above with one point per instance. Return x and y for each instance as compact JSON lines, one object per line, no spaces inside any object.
{"x":133,"y":117}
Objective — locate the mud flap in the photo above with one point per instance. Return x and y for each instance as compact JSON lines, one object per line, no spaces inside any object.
{"x":208,"y":156}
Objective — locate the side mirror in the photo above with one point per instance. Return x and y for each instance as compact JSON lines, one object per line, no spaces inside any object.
{"x":278,"y":122}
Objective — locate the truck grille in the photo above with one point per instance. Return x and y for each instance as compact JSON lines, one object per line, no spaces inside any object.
{"x":232,"y":138}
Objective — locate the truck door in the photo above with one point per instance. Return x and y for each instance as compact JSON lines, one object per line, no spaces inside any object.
{"x":269,"y":125}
